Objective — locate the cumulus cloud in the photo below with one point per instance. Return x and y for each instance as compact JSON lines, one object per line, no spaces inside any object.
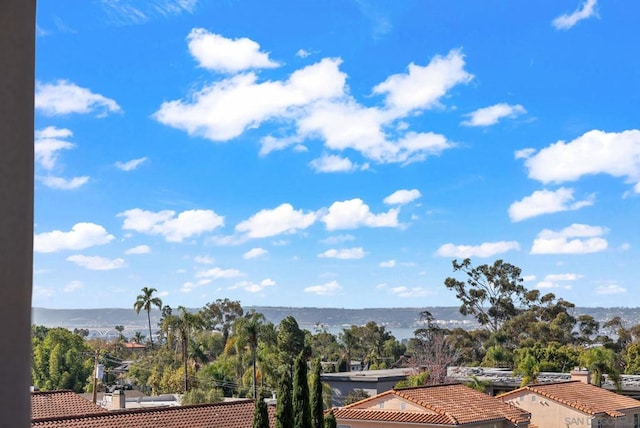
{"x":338,"y":239}
{"x":491,"y":115}
{"x":303,"y":53}
{"x":48,"y":143}
{"x":282,"y":219}
{"x":403,"y":291}
{"x":62,"y":183}
{"x":567,"y":21}
{"x":344,"y":254}
{"x":81,"y":236}
{"x":224,"y":109}
{"x":524,"y":153}
{"x":595,"y":152}
{"x":355,"y":213}
{"x":254,"y":253}
{"x":217,"y":53}
{"x":252,"y":287}
{"x":546,"y":202}
{"x":130,"y":165}
{"x":423,"y":86}
{"x":173,"y":228}
{"x":388,"y":264}
{"x":329,"y":289}
{"x":610,"y":289}
{"x":558,"y":280}
{"x":218,"y":273}
{"x":332,"y":163}
{"x":486,"y":249}
{"x":140,"y":249}
{"x":96,"y":262}
{"x":64,"y":97}
{"x":401,"y":197}
{"x":574,"y":239}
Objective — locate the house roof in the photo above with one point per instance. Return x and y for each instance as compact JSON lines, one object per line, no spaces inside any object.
{"x":444,"y":404}
{"x":51,"y":404}
{"x":586,"y":398}
{"x":233,"y":414}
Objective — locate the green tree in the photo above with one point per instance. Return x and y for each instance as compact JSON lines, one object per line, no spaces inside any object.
{"x":221,"y":314}
{"x":632,"y":359}
{"x":301,"y":408}
{"x":183,"y":325}
{"x":249,"y":329}
{"x":355,"y":396}
{"x":317,"y":406}
{"x":290,"y":340}
{"x":601,"y":361}
{"x":284,"y":406}
{"x":492,"y":294}
{"x":260,"y":414}
{"x":330,"y":421}
{"x":61,"y":360}
{"x":200,"y":396}
{"x":146,"y":301}
{"x":527,"y":366}
{"x":413,"y":380}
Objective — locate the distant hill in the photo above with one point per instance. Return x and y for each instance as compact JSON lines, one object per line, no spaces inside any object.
{"x":403,"y":320}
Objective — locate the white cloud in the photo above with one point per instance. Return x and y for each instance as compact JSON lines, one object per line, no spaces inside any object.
{"x":328,"y":289}
{"x":223,"y":110}
{"x":96,"y":262}
{"x":546,"y":202}
{"x":524,"y":153}
{"x":64,"y":97}
{"x":563,"y":277}
{"x":48,"y":142}
{"x":388,"y":264}
{"x":254,"y":253}
{"x":344,"y":254}
{"x":252,"y":287}
{"x":528,"y":278}
{"x":130,"y":165}
{"x":567,"y":21}
{"x":303,"y":53}
{"x":401,"y":197}
{"x":81,"y":236}
{"x":355,"y":213}
{"x":42,"y":292}
{"x":62,"y":183}
{"x":173,"y":229}
{"x":218,"y":273}
{"x":560,"y":280}
{"x":140,"y":249}
{"x":203,"y":260}
{"x":338,"y":239}
{"x":491,"y":115}
{"x":486,"y":249}
{"x":282,"y":219}
{"x":270,"y":144}
{"x":73,"y":286}
{"x":610,"y":289}
{"x":128,"y":12}
{"x":403,"y":291}
{"x":333,"y":163}
{"x":575,"y":239}
{"x":423,"y":87}
{"x":595,"y":152}
{"x":215,"y":52}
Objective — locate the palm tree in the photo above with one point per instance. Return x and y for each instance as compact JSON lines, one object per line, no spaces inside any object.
{"x":146,"y":301}
{"x":184,"y":324}
{"x":248,"y":330}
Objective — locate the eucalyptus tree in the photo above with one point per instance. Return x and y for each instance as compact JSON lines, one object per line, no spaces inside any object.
{"x":221,"y":314}
{"x":145,"y":301}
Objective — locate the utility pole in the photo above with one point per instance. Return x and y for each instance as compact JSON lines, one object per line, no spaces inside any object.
{"x":95,"y":377}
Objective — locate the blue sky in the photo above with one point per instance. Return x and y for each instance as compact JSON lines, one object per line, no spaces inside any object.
{"x":335,"y":153}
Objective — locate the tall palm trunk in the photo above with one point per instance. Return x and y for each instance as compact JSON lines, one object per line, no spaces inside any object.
{"x":149,"y":321}
{"x":255,"y":376}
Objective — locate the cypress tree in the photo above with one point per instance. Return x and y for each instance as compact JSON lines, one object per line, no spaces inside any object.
{"x":317,"y":407}
{"x":260,"y":414}
{"x":301,"y":408}
{"x":284,"y":409}
{"x":330,"y":421}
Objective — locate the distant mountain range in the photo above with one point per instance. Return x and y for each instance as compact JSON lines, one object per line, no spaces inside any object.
{"x":401,"y":321}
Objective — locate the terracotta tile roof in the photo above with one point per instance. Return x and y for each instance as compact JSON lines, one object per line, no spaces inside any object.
{"x":51,"y":404}
{"x":233,"y":414}
{"x":445,"y":404}
{"x":586,"y":398}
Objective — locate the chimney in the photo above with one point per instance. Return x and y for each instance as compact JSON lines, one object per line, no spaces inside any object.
{"x":581,"y":374}
{"x":118,"y":400}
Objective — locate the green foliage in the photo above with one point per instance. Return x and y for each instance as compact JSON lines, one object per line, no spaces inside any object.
{"x":301,"y":409}
{"x":220,"y":315}
{"x":317,"y":405}
{"x":284,"y":405}
{"x":290,"y":340}
{"x":476,"y":383}
{"x":330,"y":421}
{"x":600,"y":361}
{"x":220,"y":374}
{"x":200,"y":396}
{"x":526,"y":366}
{"x":61,"y":360}
{"x":260,"y":414}
{"x":355,"y":396}
{"x":632,"y":359}
{"x":146,"y":301}
{"x":414,"y":380}
{"x":492,"y":294}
